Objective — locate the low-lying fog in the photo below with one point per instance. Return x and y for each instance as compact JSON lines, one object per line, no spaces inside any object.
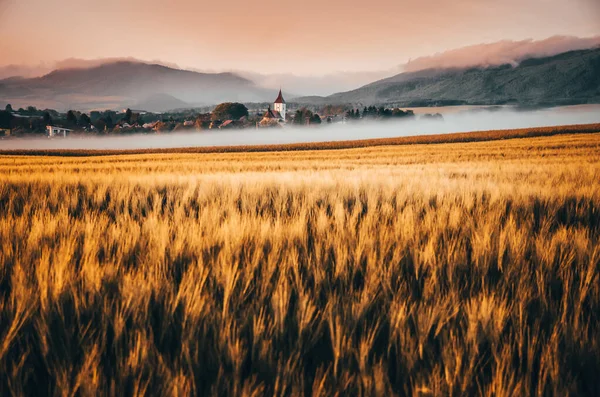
{"x":461,"y":121}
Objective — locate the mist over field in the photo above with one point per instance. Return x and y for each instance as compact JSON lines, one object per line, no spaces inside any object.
{"x":454,"y":121}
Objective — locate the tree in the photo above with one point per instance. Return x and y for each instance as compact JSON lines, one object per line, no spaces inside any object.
{"x":384,"y":113}
{"x":229,"y":111}
{"x":100,"y":124}
{"x":315,"y":119}
{"x":95,"y":115}
{"x":9,"y":108}
{"x":128,"y":114}
{"x":402,"y":113}
{"x":298,"y":119}
{"x":108,"y":122}
{"x":137,"y":118}
{"x":301,"y":116}
{"x":434,"y":116}
{"x":84,"y":120}
{"x":71,"y":118}
{"x":5,"y":119}
{"x":47,"y":119}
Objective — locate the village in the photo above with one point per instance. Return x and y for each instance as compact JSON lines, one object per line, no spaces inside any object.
{"x":229,"y":115}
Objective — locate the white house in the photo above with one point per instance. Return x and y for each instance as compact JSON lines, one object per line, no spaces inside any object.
{"x":56,"y":131}
{"x":280,"y":106}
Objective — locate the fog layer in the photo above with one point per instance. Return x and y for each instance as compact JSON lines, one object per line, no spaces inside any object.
{"x":463,"y":121}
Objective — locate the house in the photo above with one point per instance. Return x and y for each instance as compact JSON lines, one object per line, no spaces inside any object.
{"x":52,"y":131}
{"x":227,"y":124}
{"x":150,"y":125}
{"x":160,"y":126}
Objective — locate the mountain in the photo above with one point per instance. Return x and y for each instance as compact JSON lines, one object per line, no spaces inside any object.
{"x":501,"y":53}
{"x":522,"y":72}
{"x":568,"y":78}
{"x":126,"y":83}
{"x":481,"y":55}
{"x":160,"y":102}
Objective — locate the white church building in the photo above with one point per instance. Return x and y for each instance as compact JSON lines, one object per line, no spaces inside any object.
{"x":276,"y":116}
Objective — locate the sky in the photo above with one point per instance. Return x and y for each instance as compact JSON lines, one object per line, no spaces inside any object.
{"x":310,"y":37}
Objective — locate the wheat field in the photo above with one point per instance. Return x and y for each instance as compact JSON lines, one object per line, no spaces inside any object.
{"x":444,"y":270}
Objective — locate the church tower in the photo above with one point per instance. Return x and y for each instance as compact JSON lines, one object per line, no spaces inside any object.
{"x":280,"y":105}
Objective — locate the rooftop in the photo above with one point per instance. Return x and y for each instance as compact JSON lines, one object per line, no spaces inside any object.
{"x":280,"y":98}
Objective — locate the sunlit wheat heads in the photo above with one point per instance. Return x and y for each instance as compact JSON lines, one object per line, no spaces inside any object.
{"x":452,"y":269}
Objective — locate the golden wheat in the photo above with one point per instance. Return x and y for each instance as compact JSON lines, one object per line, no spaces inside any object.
{"x":451,"y":269}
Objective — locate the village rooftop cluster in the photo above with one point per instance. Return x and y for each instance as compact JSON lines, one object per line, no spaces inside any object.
{"x":229,"y":115}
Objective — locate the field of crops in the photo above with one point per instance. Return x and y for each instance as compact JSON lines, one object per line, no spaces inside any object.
{"x":447,"y":269}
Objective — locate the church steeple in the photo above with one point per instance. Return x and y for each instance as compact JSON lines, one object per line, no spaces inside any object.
{"x":280,"y":106}
{"x":280,"y":98}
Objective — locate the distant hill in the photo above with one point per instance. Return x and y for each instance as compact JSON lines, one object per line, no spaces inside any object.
{"x":135,"y":84}
{"x":161,"y":102}
{"x":568,"y":78}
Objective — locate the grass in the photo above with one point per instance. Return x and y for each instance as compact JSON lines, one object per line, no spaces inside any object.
{"x":451,"y":269}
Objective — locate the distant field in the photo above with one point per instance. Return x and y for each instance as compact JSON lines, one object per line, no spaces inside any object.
{"x":386,"y":269}
{"x":476,"y":136}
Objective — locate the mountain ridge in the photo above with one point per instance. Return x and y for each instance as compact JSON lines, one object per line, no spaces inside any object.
{"x":566,"y":78}
{"x":570,"y":77}
{"x":127,"y":83}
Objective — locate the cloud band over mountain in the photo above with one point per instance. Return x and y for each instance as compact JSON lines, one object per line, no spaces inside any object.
{"x":500,"y":53}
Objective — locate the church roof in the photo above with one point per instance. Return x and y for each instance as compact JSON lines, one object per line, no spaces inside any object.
{"x":280,"y":98}
{"x":269,"y":114}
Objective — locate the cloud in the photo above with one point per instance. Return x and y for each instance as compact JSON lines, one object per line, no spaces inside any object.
{"x":502,"y":52}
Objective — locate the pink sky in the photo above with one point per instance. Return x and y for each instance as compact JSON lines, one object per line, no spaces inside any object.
{"x":302,"y":37}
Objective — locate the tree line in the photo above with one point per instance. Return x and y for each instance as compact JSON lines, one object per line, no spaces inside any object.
{"x":33,"y":120}
{"x":374,"y":112}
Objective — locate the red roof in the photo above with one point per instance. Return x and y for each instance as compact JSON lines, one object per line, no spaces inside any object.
{"x":280,"y":98}
{"x":269,"y":114}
